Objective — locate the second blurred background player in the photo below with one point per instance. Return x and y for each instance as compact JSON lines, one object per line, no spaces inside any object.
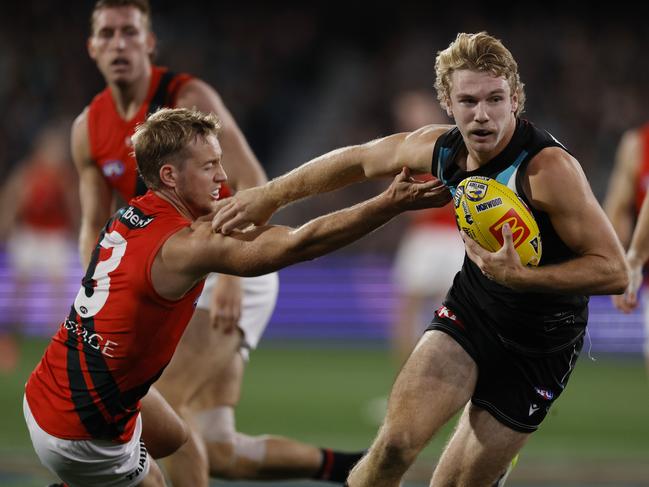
{"x":39,"y":213}
{"x":232,"y":312}
{"x":627,"y":190}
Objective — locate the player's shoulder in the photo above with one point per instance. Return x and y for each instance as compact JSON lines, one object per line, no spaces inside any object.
{"x":80,"y":130}
{"x":553,"y":162}
{"x":428,"y":133}
{"x":80,"y":140}
{"x":81,"y":121}
{"x":554,"y":178}
{"x":631,"y":139}
{"x":553,"y":154}
{"x":193,"y":91}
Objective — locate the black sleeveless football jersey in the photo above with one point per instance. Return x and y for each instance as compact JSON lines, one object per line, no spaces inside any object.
{"x":529,"y":322}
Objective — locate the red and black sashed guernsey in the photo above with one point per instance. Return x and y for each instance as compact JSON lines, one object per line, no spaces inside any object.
{"x":109,"y":134}
{"x":120,"y":333}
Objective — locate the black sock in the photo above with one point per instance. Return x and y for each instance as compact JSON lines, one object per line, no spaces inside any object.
{"x":336,"y":465}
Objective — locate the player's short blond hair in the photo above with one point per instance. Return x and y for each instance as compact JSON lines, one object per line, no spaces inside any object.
{"x":142,"y":5}
{"x":163,"y":137}
{"x":477,"y":52}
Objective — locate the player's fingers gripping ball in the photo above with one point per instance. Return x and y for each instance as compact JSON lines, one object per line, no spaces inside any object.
{"x":483,"y":206}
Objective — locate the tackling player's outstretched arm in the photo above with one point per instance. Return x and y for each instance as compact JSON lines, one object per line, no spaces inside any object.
{"x":94,"y":194}
{"x":556,"y":184}
{"x":193,"y":252}
{"x":338,"y":168}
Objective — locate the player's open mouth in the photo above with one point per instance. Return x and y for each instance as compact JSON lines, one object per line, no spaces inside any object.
{"x":481,"y":133}
{"x":215,"y":193}
{"x":120,"y":61}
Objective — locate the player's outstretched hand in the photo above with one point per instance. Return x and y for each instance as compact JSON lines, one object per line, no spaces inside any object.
{"x":498,"y":266}
{"x":628,"y":301}
{"x":410,"y":194}
{"x":247,"y":207}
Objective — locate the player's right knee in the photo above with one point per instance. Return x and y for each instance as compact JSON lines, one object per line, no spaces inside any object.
{"x":396,"y":449}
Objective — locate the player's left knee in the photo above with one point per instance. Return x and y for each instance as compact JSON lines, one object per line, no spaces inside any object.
{"x":228,"y":449}
{"x":240,"y":458}
{"x":175,"y":438}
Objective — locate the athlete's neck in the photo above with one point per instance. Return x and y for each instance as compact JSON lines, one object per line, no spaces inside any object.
{"x":171,"y":197}
{"x":475,"y":160}
{"x":129,"y":97}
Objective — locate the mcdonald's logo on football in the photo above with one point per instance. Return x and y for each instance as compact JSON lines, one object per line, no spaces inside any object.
{"x":520,"y":230}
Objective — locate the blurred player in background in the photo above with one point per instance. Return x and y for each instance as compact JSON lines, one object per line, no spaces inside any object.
{"x":636,"y":257}
{"x":431,"y":251}
{"x":626,"y":192}
{"x":504,"y":343}
{"x":83,"y":400}
{"x":203,"y":381}
{"x":39,"y":214}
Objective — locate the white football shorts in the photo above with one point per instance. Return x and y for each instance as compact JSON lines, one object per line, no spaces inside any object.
{"x":34,"y":253}
{"x":258,"y":304}
{"x":90,"y":463}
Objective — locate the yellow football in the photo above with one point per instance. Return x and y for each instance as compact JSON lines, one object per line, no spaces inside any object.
{"x":483,"y":206}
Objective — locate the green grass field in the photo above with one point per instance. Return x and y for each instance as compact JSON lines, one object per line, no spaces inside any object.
{"x":596,"y":434}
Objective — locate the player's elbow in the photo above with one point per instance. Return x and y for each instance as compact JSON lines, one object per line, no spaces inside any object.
{"x":618,"y":277}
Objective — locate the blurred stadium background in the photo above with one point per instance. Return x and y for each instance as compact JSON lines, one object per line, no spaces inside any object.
{"x":304,"y":79}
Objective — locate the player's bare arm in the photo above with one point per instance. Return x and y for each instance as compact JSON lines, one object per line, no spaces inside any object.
{"x":334,"y":170}
{"x":94,"y":194}
{"x":619,"y":203}
{"x":193,"y":252}
{"x":239,"y":161}
{"x":556,"y":184}
{"x":636,"y":257}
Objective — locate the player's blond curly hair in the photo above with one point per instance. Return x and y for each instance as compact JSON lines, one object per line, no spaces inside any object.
{"x":163,"y":137}
{"x":477,"y":52}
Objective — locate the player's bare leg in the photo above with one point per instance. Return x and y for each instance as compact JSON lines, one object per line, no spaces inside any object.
{"x":201,"y":351}
{"x":234,"y":455}
{"x":479,"y":451}
{"x":436,"y":381}
{"x":163,"y":431}
{"x":154,"y":478}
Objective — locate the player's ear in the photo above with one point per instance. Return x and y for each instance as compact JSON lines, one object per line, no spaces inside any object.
{"x":92,"y":52}
{"x":446,"y":105}
{"x":151,"y":42}
{"x":514,"y":103}
{"x":168,"y":175}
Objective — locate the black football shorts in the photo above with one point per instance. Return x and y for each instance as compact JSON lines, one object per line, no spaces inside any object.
{"x":517,"y":389}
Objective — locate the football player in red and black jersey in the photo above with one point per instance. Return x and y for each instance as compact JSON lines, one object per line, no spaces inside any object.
{"x":83,"y":401}
{"x":232,"y":312}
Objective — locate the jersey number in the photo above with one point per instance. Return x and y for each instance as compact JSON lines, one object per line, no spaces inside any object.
{"x":90,"y":305}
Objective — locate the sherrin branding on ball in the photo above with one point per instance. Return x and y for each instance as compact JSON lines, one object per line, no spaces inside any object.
{"x":483,"y":206}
